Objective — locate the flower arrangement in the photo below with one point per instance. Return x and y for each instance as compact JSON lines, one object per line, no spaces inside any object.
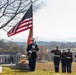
{"x":23,"y":61}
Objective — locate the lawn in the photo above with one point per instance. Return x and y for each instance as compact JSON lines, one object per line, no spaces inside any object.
{"x":41,"y":69}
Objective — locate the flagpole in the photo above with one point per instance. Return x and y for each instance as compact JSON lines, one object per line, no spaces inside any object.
{"x":31,"y":29}
{"x":32,"y":16}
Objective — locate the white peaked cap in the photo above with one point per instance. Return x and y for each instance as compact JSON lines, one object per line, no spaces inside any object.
{"x":32,"y":39}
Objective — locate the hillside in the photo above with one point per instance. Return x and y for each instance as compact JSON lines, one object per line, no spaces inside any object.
{"x":51,"y":45}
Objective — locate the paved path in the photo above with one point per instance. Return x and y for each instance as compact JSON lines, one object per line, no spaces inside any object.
{"x":1,"y":65}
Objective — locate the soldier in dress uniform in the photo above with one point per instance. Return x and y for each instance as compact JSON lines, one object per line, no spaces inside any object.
{"x":69,"y":61}
{"x":32,"y":55}
{"x":63,"y":61}
{"x":57,"y":57}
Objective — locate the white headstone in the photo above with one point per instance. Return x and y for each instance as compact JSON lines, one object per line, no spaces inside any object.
{"x":0,"y":69}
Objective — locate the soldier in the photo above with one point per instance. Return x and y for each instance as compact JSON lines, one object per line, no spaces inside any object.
{"x":69,"y":60}
{"x":57,"y":56}
{"x":63,"y":61}
{"x":32,"y":49}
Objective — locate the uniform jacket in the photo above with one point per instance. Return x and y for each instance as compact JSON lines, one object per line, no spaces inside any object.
{"x":30,"y":48}
{"x":63,"y":57}
{"x":69,"y":57}
{"x":57,"y":55}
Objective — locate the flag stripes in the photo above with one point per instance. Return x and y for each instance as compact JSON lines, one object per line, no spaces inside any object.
{"x":25,"y":23}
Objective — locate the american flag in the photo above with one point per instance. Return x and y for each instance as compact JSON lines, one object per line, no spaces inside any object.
{"x":25,"y":23}
{"x":30,"y":36}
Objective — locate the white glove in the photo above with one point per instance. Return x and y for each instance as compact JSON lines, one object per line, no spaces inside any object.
{"x":33,"y":47}
{"x":30,"y":51}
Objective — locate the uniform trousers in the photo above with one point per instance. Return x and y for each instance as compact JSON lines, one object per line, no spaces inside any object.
{"x":63,"y":67}
{"x":56,"y":66}
{"x":68,"y":67}
{"x":32,"y":63}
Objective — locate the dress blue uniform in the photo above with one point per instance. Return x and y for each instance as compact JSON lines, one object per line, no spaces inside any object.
{"x":63,"y":61}
{"x":69,"y":60}
{"x":32,"y":49}
{"x":57,"y":57}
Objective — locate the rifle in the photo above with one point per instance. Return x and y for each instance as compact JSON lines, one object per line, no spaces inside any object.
{"x":35,"y":40}
{"x":32,"y":48}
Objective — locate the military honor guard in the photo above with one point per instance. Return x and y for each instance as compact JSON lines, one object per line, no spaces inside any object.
{"x":69,"y":60}
{"x":63,"y":61}
{"x":32,"y":55}
{"x":57,"y":57}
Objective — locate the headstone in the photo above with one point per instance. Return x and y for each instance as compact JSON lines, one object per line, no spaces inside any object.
{"x":0,"y":69}
{"x":22,"y":66}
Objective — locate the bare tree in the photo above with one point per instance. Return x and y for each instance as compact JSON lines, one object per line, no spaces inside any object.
{"x":42,"y":52}
{"x":11,"y":11}
{"x":8,"y":46}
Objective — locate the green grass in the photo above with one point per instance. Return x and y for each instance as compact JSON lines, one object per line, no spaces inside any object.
{"x":41,"y":69}
{"x":8,"y":71}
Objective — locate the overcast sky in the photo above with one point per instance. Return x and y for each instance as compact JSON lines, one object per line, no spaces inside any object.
{"x":55,"y":22}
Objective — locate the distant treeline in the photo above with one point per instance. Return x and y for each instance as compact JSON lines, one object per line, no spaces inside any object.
{"x":51,"y":45}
